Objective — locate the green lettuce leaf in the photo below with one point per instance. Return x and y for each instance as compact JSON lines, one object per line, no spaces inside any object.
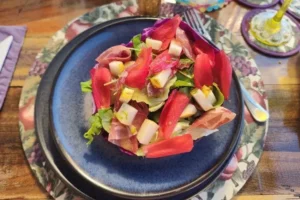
{"x":141,"y":96}
{"x":185,"y":61}
{"x":106,"y":116}
{"x":94,"y":130}
{"x":137,"y":44}
{"x":86,"y":86}
{"x":156,"y":107}
{"x":102,"y":119}
{"x":188,"y":72}
{"x":219,"y":96}
{"x":183,"y":81}
{"x":186,"y":91}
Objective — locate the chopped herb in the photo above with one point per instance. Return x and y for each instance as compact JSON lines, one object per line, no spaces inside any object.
{"x":219,"y":96}
{"x":137,"y":44}
{"x":102,"y":119}
{"x":183,"y":81}
{"x":86,"y":86}
{"x":186,"y":61}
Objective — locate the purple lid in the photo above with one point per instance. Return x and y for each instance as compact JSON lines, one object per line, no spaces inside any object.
{"x":256,"y":5}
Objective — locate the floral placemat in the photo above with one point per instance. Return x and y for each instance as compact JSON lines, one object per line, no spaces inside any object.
{"x":205,"y":5}
{"x":259,"y":3}
{"x":290,"y":48}
{"x":249,"y":150}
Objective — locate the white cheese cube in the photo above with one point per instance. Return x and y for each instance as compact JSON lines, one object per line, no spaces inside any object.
{"x":189,"y":111}
{"x":201,"y":99}
{"x":147,"y":131}
{"x":175,"y":48}
{"x":155,"y":44}
{"x":116,"y":67}
{"x":126,"y":114}
{"x":160,"y":79}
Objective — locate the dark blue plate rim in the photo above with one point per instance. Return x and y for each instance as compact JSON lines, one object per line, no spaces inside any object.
{"x":63,"y":55}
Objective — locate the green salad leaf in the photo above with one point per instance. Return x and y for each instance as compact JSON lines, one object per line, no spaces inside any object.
{"x":183,"y":81}
{"x":219,"y":96}
{"x":156,"y":107}
{"x":86,"y":86}
{"x":188,"y":72}
{"x":141,"y":96}
{"x":186,"y":91}
{"x":137,"y":44}
{"x":185,"y":61}
{"x":106,"y":116}
{"x":102,"y":119}
{"x":94,"y":130}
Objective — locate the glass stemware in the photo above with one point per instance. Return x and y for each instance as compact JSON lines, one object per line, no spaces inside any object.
{"x":271,"y":29}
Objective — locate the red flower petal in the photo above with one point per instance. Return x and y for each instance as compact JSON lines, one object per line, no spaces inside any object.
{"x":162,"y":62}
{"x":101,"y":93}
{"x":203,"y":74}
{"x":223,"y":73}
{"x":171,"y":112}
{"x":201,"y":46}
{"x":171,"y":146}
{"x":138,"y":72}
{"x":166,"y":32}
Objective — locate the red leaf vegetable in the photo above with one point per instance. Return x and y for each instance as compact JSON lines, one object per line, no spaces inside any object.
{"x":214,"y":118}
{"x":168,"y":147}
{"x":121,"y":136}
{"x":118,"y":131}
{"x":201,"y":46}
{"x":129,"y":144}
{"x":162,"y":62}
{"x":185,"y":43}
{"x":138,"y":72}
{"x":203,"y":74}
{"x":115,"y":53}
{"x":166,"y":32}
{"x":101,"y":93}
{"x":223,"y":73}
{"x":171,"y":112}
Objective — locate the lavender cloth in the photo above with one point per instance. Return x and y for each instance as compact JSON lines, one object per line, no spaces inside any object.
{"x":18,"y":32}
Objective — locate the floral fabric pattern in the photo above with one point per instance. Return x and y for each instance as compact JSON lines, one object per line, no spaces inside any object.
{"x":250,"y":148}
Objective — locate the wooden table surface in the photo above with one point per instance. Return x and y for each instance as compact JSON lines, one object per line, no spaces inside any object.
{"x":278,"y":173}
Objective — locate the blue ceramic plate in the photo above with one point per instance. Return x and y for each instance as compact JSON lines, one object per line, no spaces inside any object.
{"x":103,"y":164}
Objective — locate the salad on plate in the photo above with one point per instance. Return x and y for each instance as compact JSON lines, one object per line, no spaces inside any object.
{"x":159,"y":93}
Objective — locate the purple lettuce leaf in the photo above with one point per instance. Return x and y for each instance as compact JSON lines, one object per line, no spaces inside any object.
{"x":191,"y":33}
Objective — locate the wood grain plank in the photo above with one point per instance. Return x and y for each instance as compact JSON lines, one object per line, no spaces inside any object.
{"x":266,"y":197}
{"x":284,"y":127}
{"x":24,"y":11}
{"x":16,"y":178}
{"x":277,"y":174}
